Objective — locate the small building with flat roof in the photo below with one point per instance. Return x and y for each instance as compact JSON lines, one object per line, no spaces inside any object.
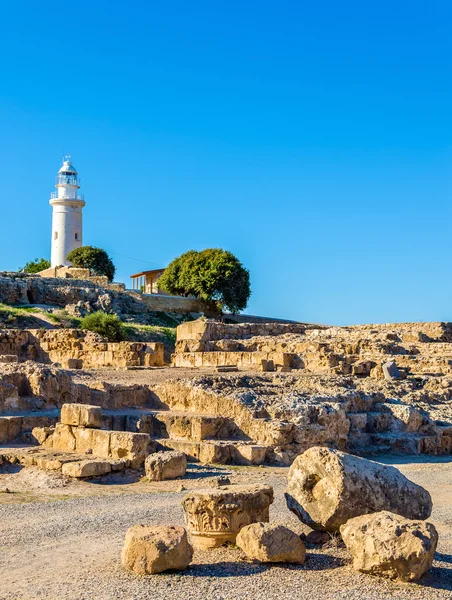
{"x":147,"y":281}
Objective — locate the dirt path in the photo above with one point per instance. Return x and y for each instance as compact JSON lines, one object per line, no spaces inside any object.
{"x":59,"y":549}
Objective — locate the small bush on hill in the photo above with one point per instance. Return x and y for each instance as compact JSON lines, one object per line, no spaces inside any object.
{"x":36,"y":265}
{"x":109,"y":326}
{"x":95,"y":259}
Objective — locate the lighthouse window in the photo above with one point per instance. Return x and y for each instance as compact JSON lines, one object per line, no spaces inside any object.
{"x":55,"y":235}
{"x":76,"y":236}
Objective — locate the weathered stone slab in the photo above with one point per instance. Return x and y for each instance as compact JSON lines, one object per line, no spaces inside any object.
{"x":389,"y":545}
{"x":270,"y":542}
{"x":156,"y":549}
{"x":327,"y":487}
{"x":86,"y":468}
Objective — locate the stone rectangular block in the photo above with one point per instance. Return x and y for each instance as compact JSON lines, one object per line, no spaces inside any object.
{"x":125,"y":444}
{"x":249,"y":454}
{"x":86,"y":468}
{"x":63,"y":438}
{"x":95,"y":441}
{"x":81,"y":415}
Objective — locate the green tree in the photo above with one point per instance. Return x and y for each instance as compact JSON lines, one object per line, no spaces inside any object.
{"x":109,"y":326}
{"x":36,"y":265}
{"x":213,"y":275}
{"x":95,"y":259}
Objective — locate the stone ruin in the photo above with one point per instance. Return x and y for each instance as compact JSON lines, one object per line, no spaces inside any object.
{"x":76,"y":349}
{"x":332,"y":491}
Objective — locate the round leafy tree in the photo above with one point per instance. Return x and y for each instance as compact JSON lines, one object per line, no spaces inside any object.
{"x":213,"y":275}
{"x":95,"y":259}
{"x":36,"y":265}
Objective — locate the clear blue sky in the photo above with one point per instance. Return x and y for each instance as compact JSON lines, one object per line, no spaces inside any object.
{"x":312,"y":139}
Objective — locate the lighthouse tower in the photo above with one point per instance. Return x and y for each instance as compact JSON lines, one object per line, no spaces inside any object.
{"x":67,"y":204}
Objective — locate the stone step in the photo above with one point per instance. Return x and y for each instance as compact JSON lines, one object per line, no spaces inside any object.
{"x":158,"y":423}
{"x":69,"y":463}
{"x":395,"y":443}
{"x":221,"y":452}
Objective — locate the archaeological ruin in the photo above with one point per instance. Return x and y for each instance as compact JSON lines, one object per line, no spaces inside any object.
{"x":289,"y":416}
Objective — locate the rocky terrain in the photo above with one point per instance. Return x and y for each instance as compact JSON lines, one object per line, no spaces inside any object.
{"x":62,"y":539}
{"x":86,"y":425}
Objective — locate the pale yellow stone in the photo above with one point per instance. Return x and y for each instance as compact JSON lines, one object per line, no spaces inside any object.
{"x":156,"y":549}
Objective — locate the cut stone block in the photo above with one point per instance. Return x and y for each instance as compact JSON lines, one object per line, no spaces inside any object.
{"x":83,"y":415}
{"x":73,"y":363}
{"x":86,"y":468}
{"x":150,"y":550}
{"x":62,"y":438}
{"x":133,"y":446}
{"x":249,"y":454}
{"x":390,"y":371}
{"x":270,"y":542}
{"x":95,"y":441}
{"x":165,"y":465}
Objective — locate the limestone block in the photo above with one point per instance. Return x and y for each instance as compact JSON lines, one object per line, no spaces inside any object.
{"x":390,"y":371}
{"x":95,"y":441}
{"x":9,"y":358}
{"x":390,"y":545}
{"x":214,"y":453}
{"x":156,"y":549}
{"x":62,"y":438}
{"x":270,"y":542}
{"x":133,"y":446}
{"x":83,"y":415}
{"x":86,"y":468}
{"x":10,"y":427}
{"x":41,"y":433}
{"x":215,"y":516}
{"x":327,"y":487}
{"x":73,"y":363}
{"x":165,"y":465}
{"x":249,"y":454}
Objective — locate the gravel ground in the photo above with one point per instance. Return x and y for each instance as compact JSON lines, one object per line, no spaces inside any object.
{"x":69,"y":548}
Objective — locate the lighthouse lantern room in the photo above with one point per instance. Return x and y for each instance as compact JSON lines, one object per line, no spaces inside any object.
{"x":67,"y":204}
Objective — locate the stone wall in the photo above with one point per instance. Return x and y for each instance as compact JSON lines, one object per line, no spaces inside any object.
{"x":207,"y":329}
{"x":23,"y":288}
{"x":73,"y":348}
{"x":175,"y":304}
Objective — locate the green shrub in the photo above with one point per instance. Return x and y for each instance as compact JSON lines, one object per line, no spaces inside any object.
{"x":36,"y":265}
{"x":109,"y":326}
{"x":95,"y":259}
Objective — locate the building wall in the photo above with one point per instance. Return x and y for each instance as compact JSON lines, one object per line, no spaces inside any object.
{"x":66,"y":225}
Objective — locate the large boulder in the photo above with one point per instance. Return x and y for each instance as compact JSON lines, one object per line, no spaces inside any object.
{"x":328,"y":487}
{"x":156,"y":549}
{"x":165,"y":465}
{"x":270,"y":542}
{"x":389,"y":545}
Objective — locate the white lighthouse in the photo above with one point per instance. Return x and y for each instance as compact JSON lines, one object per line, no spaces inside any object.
{"x":67,"y":204}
